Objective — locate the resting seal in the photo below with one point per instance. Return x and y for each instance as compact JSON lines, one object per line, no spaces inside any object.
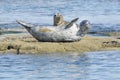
{"x":68,"y":33}
{"x":59,"y":20}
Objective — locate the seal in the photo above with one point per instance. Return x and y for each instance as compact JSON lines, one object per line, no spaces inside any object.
{"x":67,"y":33}
{"x":59,"y":20}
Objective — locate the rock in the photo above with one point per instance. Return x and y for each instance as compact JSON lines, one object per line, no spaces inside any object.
{"x":30,"y":45}
{"x":111,"y":44}
{"x":16,"y":47}
{"x":118,"y":38}
{"x":10,"y":47}
{"x":114,"y":42}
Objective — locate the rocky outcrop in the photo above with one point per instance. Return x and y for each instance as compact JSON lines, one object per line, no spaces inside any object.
{"x":27,"y":44}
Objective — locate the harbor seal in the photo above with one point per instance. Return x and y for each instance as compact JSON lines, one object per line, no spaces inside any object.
{"x":68,"y":33}
{"x":59,"y":20}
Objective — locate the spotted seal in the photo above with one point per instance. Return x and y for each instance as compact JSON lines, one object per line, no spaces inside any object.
{"x":68,"y":33}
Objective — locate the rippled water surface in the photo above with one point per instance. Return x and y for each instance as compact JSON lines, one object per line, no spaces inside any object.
{"x":104,"y":65}
{"x":104,"y":14}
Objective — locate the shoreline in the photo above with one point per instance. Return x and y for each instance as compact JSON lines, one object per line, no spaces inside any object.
{"x":28,"y":45}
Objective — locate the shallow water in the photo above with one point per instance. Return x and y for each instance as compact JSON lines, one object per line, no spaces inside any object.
{"x":103,"y":65}
{"x":103,"y":14}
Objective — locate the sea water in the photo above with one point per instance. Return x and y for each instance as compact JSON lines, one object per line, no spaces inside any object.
{"x":104,"y":15}
{"x":103,"y":65}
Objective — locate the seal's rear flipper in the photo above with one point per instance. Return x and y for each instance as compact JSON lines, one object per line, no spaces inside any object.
{"x":71,"y":23}
{"x":26,"y":25}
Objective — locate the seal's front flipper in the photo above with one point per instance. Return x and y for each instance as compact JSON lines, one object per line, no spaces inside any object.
{"x":71,"y":23}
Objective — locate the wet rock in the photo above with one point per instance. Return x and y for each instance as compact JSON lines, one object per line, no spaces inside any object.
{"x":16,"y":47}
{"x":118,"y":38}
{"x":111,"y":44}
{"x":114,"y":42}
{"x":10,"y":47}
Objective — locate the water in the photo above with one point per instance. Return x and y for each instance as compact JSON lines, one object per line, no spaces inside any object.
{"x":103,"y":65}
{"x":103,"y":14}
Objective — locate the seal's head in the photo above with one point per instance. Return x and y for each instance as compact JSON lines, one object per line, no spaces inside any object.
{"x":84,"y":27}
{"x":85,"y":23}
{"x":58,"y":19}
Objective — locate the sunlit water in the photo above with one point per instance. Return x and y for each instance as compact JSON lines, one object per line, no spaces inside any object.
{"x":103,"y":14}
{"x":104,"y":65}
